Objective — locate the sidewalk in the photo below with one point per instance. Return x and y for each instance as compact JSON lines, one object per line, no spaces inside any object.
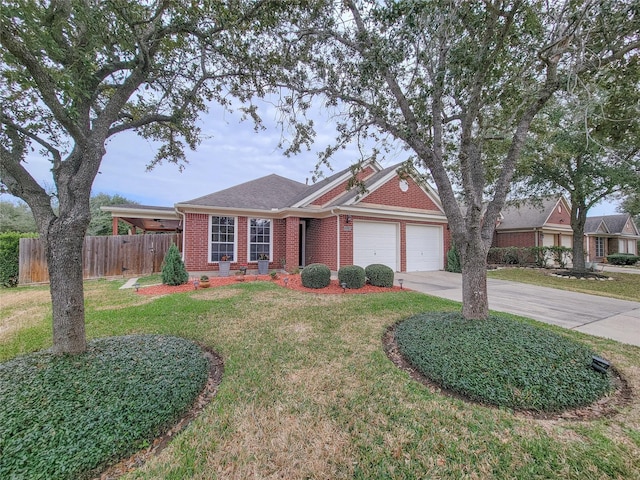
{"x":595,"y":315}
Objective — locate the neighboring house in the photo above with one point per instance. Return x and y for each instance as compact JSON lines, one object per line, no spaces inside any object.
{"x":535,"y":223}
{"x":398,"y":221}
{"x":609,"y":234}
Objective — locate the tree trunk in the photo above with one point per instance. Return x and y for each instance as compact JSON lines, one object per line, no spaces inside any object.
{"x":475,"y":301}
{"x":64,"y":256}
{"x":578,"y":220}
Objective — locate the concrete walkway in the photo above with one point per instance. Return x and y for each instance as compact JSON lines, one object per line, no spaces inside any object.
{"x":601,"y":316}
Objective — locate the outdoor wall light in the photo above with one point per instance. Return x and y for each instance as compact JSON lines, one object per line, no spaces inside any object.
{"x":349,"y":218}
{"x":599,"y":364}
{"x":136,"y":286}
{"x":400,"y":281}
{"x":344,"y":286}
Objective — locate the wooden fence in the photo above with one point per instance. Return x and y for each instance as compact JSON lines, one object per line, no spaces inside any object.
{"x":112,"y":256}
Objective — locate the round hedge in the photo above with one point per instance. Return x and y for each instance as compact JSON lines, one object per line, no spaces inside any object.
{"x":352,"y":275}
{"x":68,"y":416}
{"x":502,"y":361}
{"x":379,"y":275}
{"x":316,"y":275}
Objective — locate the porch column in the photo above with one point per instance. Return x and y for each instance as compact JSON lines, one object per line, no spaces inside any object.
{"x":292,"y":242}
{"x":114,"y":226}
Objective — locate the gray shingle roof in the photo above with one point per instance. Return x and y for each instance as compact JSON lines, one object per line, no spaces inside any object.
{"x":265,"y":193}
{"x":592,"y":224}
{"x":530,"y":214}
{"x":615,"y":223}
{"x":311,"y":189}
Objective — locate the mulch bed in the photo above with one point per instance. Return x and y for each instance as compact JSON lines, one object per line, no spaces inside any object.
{"x":293,"y":282}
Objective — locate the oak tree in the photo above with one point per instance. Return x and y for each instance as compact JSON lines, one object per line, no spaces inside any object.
{"x":456,"y":83}
{"x":75,"y":73}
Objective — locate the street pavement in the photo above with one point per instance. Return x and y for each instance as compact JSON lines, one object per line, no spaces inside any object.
{"x":592,"y":314}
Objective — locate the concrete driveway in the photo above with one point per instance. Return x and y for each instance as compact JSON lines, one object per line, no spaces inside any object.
{"x":601,"y":316}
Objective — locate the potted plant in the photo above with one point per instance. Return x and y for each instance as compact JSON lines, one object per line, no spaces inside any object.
{"x":224,"y":266}
{"x":263,"y":264}
{"x":204,"y":281}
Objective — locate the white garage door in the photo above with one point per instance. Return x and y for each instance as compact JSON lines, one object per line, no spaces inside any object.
{"x":375,"y":242}
{"x":424,"y":248}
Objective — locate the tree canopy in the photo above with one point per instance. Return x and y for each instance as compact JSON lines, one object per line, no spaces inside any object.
{"x":586,"y":144}
{"x":16,"y":217}
{"x":74,"y":74}
{"x":458,"y":84}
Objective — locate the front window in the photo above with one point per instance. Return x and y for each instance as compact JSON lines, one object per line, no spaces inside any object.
{"x":599,"y":246}
{"x":259,"y":239}
{"x":223,"y":238}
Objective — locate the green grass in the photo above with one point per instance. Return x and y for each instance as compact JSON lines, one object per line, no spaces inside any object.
{"x":529,"y":368}
{"x":69,"y":416}
{"x":308,"y":392}
{"x":625,"y":286}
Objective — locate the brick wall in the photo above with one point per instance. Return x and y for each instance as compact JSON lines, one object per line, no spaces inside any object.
{"x":321,"y":242}
{"x":391,"y":194}
{"x":196,"y":248}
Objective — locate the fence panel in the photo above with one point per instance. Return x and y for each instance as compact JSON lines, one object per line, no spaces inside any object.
{"x":110,"y":256}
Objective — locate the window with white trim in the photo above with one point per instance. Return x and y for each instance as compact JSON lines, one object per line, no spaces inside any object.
{"x":223,"y":238}
{"x":599,"y":246}
{"x":259,"y":238}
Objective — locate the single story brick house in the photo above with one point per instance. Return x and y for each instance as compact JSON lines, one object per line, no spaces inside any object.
{"x":536,"y":223}
{"x":398,"y":221}
{"x":609,"y":234}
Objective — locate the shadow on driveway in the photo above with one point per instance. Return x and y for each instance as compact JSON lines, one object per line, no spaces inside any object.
{"x":601,"y":316}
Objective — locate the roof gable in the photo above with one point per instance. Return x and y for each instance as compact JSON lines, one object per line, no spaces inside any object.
{"x":328,"y":190}
{"x":621,"y":224}
{"x":390,"y":189}
{"x":535,"y":213}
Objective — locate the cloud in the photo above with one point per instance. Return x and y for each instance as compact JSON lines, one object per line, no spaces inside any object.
{"x":231,"y":152}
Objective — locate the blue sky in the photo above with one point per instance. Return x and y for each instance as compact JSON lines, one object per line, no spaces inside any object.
{"x":231,"y":153}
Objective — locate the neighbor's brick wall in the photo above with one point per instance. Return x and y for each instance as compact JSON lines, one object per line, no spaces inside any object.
{"x":390,"y":194}
{"x":341,"y":188}
{"x":514,"y":239}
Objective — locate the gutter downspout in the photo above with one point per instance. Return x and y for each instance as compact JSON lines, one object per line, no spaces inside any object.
{"x":337,"y":215}
{"x":184,"y":231}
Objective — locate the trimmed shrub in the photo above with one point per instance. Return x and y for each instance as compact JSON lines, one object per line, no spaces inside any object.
{"x":622,"y":259}
{"x":173,"y":269}
{"x":453,"y":260}
{"x":10,"y":256}
{"x":560,"y":255}
{"x":379,"y":275}
{"x":316,"y":275}
{"x":352,"y":275}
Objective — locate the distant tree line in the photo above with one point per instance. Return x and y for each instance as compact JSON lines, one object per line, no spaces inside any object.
{"x":17,"y":217}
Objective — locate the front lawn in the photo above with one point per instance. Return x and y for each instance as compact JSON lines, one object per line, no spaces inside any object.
{"x":625,"y":286}
{"x":308,"y":391}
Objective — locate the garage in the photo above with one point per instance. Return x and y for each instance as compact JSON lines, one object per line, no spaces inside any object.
{"x":375,"y":242}
{"x":424,"y":248}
